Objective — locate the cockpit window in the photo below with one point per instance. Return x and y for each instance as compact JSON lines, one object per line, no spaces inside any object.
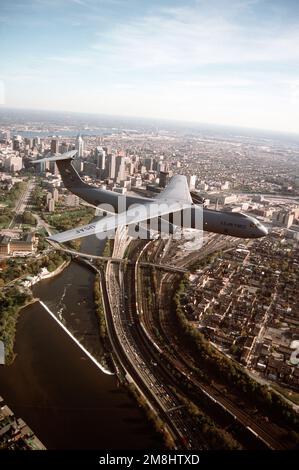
{"x":252,"y":225}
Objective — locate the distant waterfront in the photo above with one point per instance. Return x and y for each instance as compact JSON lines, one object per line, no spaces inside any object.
{"x":63,"y":133}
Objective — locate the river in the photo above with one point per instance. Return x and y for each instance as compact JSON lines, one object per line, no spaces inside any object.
{"x":55,"y":388}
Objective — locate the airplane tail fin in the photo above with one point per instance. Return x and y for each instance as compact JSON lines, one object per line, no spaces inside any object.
{"x":69,"y":175}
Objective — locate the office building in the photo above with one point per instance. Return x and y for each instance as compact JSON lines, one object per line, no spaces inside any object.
{"x":13,"y":163}
{"x":54,"y":145}
{"x":112,"y":166}
{"x":163,"y":178}
{"x":79,"y":145}
{"x":11,"y":246}
{"x":191,"y":181}
{"x":51,"y":205}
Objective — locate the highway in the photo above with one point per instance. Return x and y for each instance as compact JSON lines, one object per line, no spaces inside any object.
{"x":146,"y":346}
{"x":156,"y":372}
{"x":113,"y":259}
{"x":21,"y":204}
{"x":142,"y":358}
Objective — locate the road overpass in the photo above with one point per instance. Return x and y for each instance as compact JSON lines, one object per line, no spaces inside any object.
{"x":163,"y":267}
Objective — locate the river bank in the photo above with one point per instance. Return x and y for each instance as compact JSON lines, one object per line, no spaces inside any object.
{"x":12,"y":302}
{"x":64,"y":398}
{"x":62,"y":395}
{"x":45,"y":274}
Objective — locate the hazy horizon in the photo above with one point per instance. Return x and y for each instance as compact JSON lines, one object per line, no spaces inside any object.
{"x":220,"y":62}
{"x":153,"y":122}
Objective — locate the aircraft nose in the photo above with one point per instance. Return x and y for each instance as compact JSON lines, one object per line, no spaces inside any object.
{"x":263,"y":231}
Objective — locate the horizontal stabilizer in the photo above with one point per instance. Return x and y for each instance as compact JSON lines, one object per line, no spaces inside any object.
{"x":57,"y":157}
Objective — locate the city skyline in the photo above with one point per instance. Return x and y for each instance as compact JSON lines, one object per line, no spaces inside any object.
{"x":232,"y":63}
{"x":147,"y":312}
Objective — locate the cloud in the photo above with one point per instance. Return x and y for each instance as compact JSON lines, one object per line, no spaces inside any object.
{"x":224,"y":82}
{"x":194,"y":38}
{"x":292,"y":87}
{"x":225,"y":61}
{"x":82,"y":60}
{"x":2,"y":92}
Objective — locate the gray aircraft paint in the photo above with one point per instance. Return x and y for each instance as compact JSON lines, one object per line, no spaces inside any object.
{"x":227,"y":223}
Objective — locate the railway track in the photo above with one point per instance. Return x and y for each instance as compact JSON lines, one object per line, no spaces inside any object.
{"x":183,"y":361}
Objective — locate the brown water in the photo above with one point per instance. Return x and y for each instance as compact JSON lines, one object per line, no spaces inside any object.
{"x":58,"y":391}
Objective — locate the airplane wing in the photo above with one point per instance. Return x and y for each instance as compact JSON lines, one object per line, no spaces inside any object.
{"x":57,"y":157}
{"x":177,"y":190}
{"x":134,"y":215}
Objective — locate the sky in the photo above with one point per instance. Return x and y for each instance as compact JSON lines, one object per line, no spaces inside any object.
{"x":229,"y":62}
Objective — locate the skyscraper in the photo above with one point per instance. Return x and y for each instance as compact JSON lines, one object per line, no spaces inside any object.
{"x":191,"y":181}
{"x":16,"y":142}
{"x":79,"y":145}
{"x":36,"y":141}
{"x":51,"y":205}
{"x":148,"y":163}
{"x":120,"y":171}
{"x":100,"y":154}
{"x":64,"y":147}
{"x":112,"y":166}
{"x":163,"y":179}
{"x":54,"y":145}
{"x":13,"y":163}
{"x":55,"y":194}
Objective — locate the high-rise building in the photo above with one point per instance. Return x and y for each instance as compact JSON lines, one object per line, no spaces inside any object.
{"x":148,"y":163}
{"x":163,"y":179}
{"x":72,"y":200}
{"x":28,"y":142}
{"x":55,"y":194}
{"x":131,"y":168}
{"x":284,"y":218}
{"x":51,"y":205}
{"x":120,"y":168}
{"x":225,"y":186}
{"x":155,"y":165}
{"x":54,"y":168}
{"x":161,"y":167}
{"x":64,"y":147}
{"x":79,"y":145}
{"x":191,"y":181}
{"x":54,"y":145}
{"x":121,"y":175}
{"x":112,"y":166}
{"x":5,"y":135}
{"x":16,"y":142}
{"x":100,"y":155}
{"x":13,"y":163}
{"x":90,"y":169}
{"x":44,"y":166}
{"x":36,"y":141}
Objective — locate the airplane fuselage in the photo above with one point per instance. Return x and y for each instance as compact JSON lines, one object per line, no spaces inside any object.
{"x":227,"y":223}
